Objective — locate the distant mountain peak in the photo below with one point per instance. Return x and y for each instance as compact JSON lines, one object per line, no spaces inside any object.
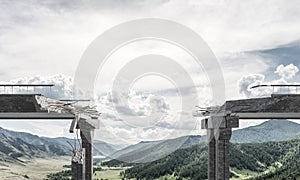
{"x":272,"y":130}
{"x":43,"y":145}
{"x":278,"y":124}
{"x":279,"y":121}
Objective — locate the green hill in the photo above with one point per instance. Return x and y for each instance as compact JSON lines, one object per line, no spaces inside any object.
{"x":147,"y":151}
{"x":247,"y":160}
{"x":272,"y":130}
{"x":292,"y":171}
{"x":190,"y":162}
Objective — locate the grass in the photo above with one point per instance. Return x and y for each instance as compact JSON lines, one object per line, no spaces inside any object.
{"x":36,"y":168}
{"x":242,"y":174}
{"x":245,"y":174}
{"x":110,"y":173}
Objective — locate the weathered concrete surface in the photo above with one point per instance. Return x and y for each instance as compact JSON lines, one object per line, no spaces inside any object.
{"x":87,"y":145}
{"x":25,"y":106}
{"x":279,"y":103}
{"x":211,"y":154}
{"x":221,"y":121}
{"x":19,"y":103}
{"x":87,"y":137}
{"x":218,"y":152}
{"x":222,"y":153}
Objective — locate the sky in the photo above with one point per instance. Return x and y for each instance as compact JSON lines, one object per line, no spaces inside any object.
{"x":43,"y":42}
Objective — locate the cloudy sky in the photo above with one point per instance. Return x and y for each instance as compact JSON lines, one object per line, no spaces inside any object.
{"x":42,"y":42}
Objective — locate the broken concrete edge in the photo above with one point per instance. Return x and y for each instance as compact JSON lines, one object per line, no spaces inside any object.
{"x":83,"y":116}
{"x":216,"y":122}
{"x":82,"y":120}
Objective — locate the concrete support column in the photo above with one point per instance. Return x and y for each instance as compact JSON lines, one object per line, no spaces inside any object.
{"x":219,"y":130}
{"x":222,"y":154}
{"x":87,"y":144}
{"x":211,"y":154}
{"x":78,"y":164}
{"x":87,"y":125}
{"x":77,"y":171}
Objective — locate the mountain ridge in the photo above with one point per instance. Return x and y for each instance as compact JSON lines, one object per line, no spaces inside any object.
{"x":47,"y":146}
{"x":247,"y":160}
{"x":145,"y":151}
{"x":271,"y":130}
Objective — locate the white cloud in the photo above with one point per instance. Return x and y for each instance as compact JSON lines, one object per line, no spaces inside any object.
{"x":287,"y":72}
{"x":246,"y":82}
{"x":140,"y":106}
{"x":63,"y":86}
{"x":49,"y":37}
{"x":241,"y":64}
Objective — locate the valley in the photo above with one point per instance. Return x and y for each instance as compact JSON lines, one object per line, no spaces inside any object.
{"x":267,"y":151}
{"x":34,"y":168}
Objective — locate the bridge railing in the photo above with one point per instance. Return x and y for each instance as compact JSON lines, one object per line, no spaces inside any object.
{"x":280,"y":88}
{"x":25,"y":88}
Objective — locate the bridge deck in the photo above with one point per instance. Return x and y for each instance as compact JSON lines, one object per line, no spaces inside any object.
{"x":223,"y":119}
{"x":277,"y":103}
{"x":25,"y":106}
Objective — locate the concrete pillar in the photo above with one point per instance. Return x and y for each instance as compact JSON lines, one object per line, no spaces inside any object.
{"x":222,"y":153}
{"x":211,"y":154}
{"x":78,"y":164}
{"x":87,"y":136}
{"x":219,"y":130}
{"x":77,"y":171}
{"x":87,"y":125}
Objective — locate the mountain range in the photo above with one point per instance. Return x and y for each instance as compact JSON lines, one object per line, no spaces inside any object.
{"x":254,"y":150}
{"x":259,"y":161}
{"x":272,"y":130}
{"x":16,"y":144}
{"x":146,"y":151}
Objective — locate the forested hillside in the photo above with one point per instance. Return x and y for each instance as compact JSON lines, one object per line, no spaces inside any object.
{"x":290,"y":171}
{"x":247,"y":160}
{"x":147,"y":151}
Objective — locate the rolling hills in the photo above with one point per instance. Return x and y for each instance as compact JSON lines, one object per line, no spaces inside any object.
{"x":247,"y":160}
{"x":16,"y":144}
{"x":146,"y":151}
{"x":267,"y":151}
{"x":272,"y":130}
